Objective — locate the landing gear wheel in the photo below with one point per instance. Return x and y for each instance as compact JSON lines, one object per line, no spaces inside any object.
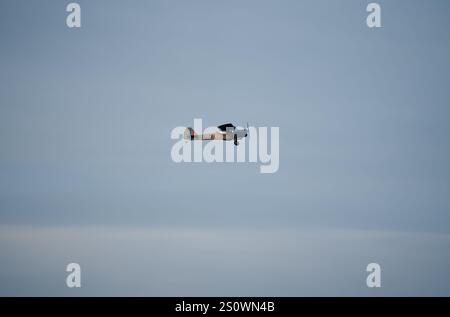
{"x":235,"y":140}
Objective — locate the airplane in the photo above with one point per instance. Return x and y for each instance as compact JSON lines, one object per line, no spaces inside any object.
{"x":227,"y":132}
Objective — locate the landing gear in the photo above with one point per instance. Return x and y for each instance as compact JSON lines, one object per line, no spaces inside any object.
{"x":235,"y":140}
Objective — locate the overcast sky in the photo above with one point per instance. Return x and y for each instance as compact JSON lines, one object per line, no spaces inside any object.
{"x":85,"y":122}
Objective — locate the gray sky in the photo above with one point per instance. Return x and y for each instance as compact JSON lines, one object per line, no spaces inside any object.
{"x":85,"y":121}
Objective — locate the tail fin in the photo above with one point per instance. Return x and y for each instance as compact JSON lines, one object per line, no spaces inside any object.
{"x":189,"y":134}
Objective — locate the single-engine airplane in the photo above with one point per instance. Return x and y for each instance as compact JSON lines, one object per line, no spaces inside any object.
{"x":227,"y":132}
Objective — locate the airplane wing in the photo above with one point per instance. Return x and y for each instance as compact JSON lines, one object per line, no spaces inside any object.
{"x":226,"y":126}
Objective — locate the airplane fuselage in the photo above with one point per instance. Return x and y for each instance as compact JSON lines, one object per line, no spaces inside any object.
{"x":227,"y":132}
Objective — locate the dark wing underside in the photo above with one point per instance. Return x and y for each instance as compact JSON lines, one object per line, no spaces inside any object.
{"x":226,"y":126}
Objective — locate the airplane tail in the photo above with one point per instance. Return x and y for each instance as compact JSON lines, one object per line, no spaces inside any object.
{"x":189,"y":134}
